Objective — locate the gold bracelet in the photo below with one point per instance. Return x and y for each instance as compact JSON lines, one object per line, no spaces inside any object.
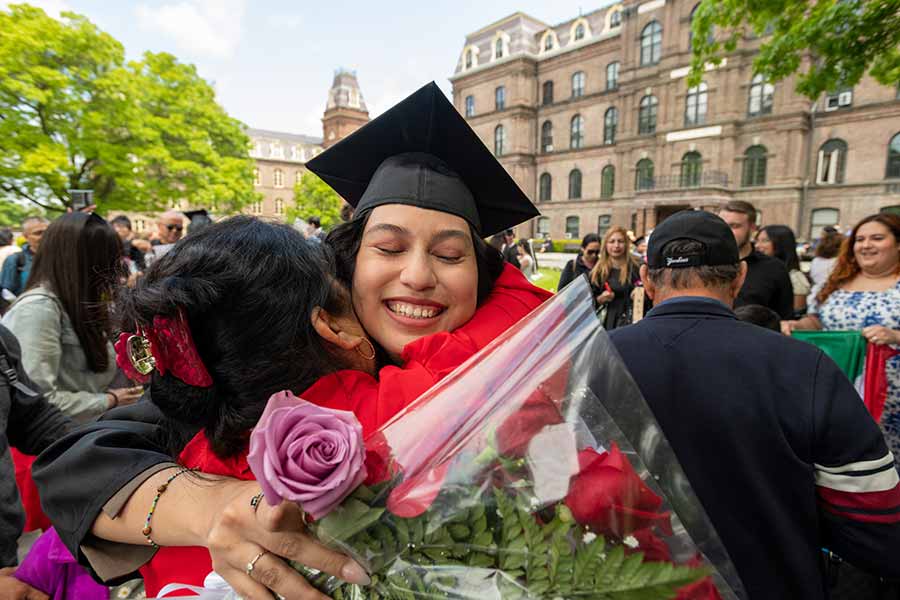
{"x":147,"y":530}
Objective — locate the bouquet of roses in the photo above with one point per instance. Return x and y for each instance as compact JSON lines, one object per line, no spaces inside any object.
{"x":515,"y":477}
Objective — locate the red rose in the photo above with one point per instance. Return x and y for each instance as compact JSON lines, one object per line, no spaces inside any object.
{"x":609,"y":497}
{"x":378,"y":459}
{"x":413,"y":497}
{"x":516,"y":432}
{"x":653,"y":547}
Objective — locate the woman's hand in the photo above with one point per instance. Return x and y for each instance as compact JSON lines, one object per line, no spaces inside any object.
{"x":13,"y":589}
{"x":126,"y":396}
{"x":238,"y":533}
{"x":788,"y":327}
{"x":881,"y":335}
{"x":606,"y":297}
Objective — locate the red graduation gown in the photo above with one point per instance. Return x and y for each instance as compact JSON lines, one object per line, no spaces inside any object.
{"x":425,"y":362}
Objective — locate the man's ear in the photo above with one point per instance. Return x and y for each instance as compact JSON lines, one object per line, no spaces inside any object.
{"x":738,"y":282}
{"x":330,"y":330}
{"x":645,"y":279}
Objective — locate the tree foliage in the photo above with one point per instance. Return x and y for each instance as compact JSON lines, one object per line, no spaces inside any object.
{"x":13,"y":213}
{"x":314,"y":198}
{"x":142,"y":134}
{"x":829,"y":43}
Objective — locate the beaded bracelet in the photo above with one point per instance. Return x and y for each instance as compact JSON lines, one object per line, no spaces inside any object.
{"x":147,"y":530}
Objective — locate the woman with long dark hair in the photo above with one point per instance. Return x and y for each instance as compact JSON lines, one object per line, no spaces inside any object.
{"x":583,"y":262}
{"x":63,"y":322}
{"x":778,"y":241}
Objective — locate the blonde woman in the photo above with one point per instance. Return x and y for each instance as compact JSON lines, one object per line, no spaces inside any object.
{"x":614,"y":277}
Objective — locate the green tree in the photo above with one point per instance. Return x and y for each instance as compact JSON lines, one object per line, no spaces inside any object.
{"x":831,"y":43}
{"x":313,"y":198}
{"x":13,"y":213}
{"x":143,"y":134}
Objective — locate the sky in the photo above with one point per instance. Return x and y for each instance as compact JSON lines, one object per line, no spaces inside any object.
{"x":272,"y":61}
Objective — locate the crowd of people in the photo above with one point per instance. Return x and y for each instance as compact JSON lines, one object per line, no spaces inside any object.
{"x":774,"y":439}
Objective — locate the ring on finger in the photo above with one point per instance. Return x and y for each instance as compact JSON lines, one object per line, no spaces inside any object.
{"x":252,"y":564}
{"x":255,"y":500}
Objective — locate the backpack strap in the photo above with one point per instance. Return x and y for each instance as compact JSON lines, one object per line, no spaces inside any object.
{"x":8,"y":373}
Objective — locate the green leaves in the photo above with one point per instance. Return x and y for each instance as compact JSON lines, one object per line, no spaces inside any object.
{"x":830,"y":44}
{"x":313,"y":198}
{"x":142,"y":135}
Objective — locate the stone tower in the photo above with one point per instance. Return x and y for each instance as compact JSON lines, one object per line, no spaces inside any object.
{"x":346,"y":110}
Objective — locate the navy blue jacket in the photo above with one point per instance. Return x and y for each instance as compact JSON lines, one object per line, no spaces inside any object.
{"x":775,"y":441}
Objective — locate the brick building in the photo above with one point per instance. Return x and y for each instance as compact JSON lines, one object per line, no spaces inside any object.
{"x":594,"y":119}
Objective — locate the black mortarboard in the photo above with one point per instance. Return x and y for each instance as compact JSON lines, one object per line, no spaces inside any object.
{"x":422,"y":153}
{"x":719,"y":245}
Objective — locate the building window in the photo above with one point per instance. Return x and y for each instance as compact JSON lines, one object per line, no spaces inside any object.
{"x":297,"y":177}
{"x":543,"y":226}
{"x":576,"y":132}
{"x":573,"y":226}
{"x":822,"y":218}
{"x":279,"y":206}
{"x":710,"y":38}
{"x":278,"y":178}
{"x":651,"y":43}
{"x":498,"y":48}
{"x":499,"y":140}
{"x":545,"y":193}
{"x":615,"y":20}
{"x":841,"y":98}
{"x":547,"y":137}
{"x":468,"y":59}
{"x":893,"y":158}
{"x":610,"y":123}
{"x":548,"y":41}
{"x":578,"y":84}
{"x":470,"y":106}
{"x":647,"y":115}
{"x":608,"y":181}
{"x":603,"y":223}
{"x":256,"y":208}
{"x":695,"y":105}
{"x":832,"y":162}
{"x":612,"y":76}
{"x":547,"y":93}
{"x":691,"y":169}
{"x":574,"y":184}
{"x":643,"y":177}
{"x":579,"y":32}
{"x":754,"y":171}
{"x":500,"y":97}
{"x":256,"y":180}
{"x":276,"y":150}
{"x":762,"y":96}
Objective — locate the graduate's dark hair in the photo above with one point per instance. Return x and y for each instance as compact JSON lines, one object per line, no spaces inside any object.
{"x":785,"y":244}
{"x":247,"y":288}
{"x":346,"y":239}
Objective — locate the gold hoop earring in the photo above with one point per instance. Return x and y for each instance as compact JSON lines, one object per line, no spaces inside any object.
{"x":371,"y":347}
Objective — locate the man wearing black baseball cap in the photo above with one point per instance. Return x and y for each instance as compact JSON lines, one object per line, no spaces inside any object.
{"x":773,"y":437}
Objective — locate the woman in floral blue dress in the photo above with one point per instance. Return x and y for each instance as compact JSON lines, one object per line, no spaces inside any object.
{"x":863,"y":294}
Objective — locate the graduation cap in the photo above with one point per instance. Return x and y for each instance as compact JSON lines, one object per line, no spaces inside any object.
{"x":198,"y":219}
{"x":422,"y":153}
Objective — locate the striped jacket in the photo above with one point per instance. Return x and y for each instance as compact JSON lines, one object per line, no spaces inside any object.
{"x":775,"y":441}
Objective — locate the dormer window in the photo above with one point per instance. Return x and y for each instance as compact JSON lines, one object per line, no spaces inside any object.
{"x":498,"y":48}
{"x":579,"y":32}
{"x":548,"y":42}
{"x":615,"y":20}
{"x":468,"y":59}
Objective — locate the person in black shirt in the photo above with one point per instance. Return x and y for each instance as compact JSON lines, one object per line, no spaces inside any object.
{"x":768,"y":282}
{"x":583,"y":263}
{"x":510,"y":249}
{"x":122,"y":225}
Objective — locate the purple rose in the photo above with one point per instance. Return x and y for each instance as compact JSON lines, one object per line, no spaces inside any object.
{"x":307,"y":454}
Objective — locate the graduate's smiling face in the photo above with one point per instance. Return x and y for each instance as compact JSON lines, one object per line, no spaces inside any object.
{"x":415,"y":275}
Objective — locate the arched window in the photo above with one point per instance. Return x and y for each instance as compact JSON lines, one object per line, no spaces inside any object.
{"x":256,"y":208}
{"x":647,"y":115}
{"x":612,"y":76}
{"x":762,"y":95}
{"x":578,"y":84}
{"x":543,"y":226}
{"x":256,"y":180}
{"x":297,"y":177}
{"x":576,"y":132}
{"x":691,"y":169}
{"x":573,"y":227}
{"x":545,"y":191}
{"x":499,"y":140}
{"x":643,"y":176}
{"x":468,"y":59}
{"x":695,"y":105}
{"x":709,"y":38}
{"x":574,"y":184}
{"x":547,"y":93}
{"x":500,"y":98}
{"x":822,"y":218}
{"x":615,"y":20}
{"x":498,"y":48}
{"x":470,"y":106}
{"x":832,"y":162}
{"x":278,"y":178}
{"x":279,"y":206}
{"x":579,"y":32}
{"x":893,"y":157}
{"x":547,"y":137}
{"x":548,"y":42}
{"x":603,"y":225}
{"x":607,"y":181}
{"x":651,"y":43}
{"x":754,"y":171}
{"x":610,"y":124}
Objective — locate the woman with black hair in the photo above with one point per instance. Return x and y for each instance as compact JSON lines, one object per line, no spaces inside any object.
{"x":583,"y":263}
{"x":778,"y":241}
{"x":62,"y":320}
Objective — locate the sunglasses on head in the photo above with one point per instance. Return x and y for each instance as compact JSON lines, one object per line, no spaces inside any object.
{"x":175,"y":227}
